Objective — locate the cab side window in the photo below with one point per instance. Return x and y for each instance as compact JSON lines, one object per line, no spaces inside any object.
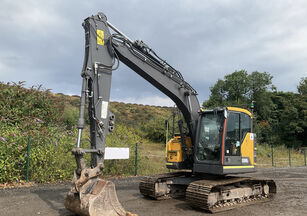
{"x":245,"y":125}
{"x":232,"y":136}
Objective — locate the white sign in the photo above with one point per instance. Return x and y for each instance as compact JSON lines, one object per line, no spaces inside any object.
{"x":116,"y":153}
{"x":104,"y":109}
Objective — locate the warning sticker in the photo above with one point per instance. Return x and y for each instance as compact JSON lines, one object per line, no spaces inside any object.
{"x":104,"y":109}
{"x":251,"y":136}
{"x":100,"y":37}
{"x":244,"y":160}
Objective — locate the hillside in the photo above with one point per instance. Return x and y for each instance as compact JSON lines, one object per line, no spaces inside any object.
{"x":126,"y":113}
{"x":50,"y":119}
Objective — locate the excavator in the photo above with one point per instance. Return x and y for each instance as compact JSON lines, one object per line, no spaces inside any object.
{"x":212,"y":146}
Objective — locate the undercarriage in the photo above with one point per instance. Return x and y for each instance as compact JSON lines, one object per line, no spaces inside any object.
{"x":208,"y":192}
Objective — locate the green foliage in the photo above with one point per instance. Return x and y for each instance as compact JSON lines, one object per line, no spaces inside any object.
{"x":237,"y":86}
{"x":122,"y":137}
{"x":289,"y":119}
{"x":26,"y":107}
{"x":49,"y":119}
{"x":302,"y":87}
{"x":70,"y":116}
{"x":218,"y":95}
{"x":280,"y":117}
{"x":146,"y":121}
{"x":240,"y":89}
{"x":135,"y":115}
{"x":259,"y":91}
{"x":38,"y":113}
{"x":50,"y":157}
{"x":281,"y":156}
{"x":154,"y":130}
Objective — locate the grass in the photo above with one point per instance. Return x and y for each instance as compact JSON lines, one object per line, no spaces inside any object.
{"x":154,"y":154}
{"x":154,"y":158}
{"x":280,"y":156}
{"x":50,"y":120}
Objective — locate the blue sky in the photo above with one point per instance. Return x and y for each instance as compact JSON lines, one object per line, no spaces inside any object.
{"x":42,"y":42}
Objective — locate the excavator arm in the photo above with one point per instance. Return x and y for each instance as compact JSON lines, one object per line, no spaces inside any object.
{"x":165,"y":78}
{"x":90,"y":195}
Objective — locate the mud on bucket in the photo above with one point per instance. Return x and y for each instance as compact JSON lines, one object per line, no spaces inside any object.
{"x":97,"y":197}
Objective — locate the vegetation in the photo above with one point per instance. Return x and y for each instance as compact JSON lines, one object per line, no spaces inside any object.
{"x":50,"y":119}
{"x":280,"y":117}
{"x":33,"y":112}
{"x":280,"y":156}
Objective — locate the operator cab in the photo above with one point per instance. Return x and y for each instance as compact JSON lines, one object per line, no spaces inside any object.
{"x":224,"y":142}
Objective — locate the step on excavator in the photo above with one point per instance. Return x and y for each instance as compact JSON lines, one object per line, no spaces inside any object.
{"x":212,"y":147}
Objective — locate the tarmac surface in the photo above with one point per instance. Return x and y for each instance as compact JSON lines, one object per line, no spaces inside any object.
{"x":47,"y":199}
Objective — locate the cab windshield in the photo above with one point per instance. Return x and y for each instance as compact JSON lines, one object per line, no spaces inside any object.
{"x":210,"y":136}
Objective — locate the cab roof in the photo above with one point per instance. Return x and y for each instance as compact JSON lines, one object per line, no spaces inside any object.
{"x":236,"y":109}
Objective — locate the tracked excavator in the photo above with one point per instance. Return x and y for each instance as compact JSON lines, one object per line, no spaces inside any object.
{"x":212,"y":145}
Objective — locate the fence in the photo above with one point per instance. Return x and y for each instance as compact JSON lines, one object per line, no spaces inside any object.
{"x":269,"y":156}
{"x":280,"y":156}
{"x":28,"y":158}
{"x":274,"y":156}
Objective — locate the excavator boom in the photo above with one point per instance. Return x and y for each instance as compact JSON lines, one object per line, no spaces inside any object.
{"x":90,"y":194}
{"x":216,"y":142}
{"x":103,"y":52}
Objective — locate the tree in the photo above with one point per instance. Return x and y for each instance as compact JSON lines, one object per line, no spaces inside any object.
{"x":259,"y":83}
{"x":290,"y":118}
{"x":280,"y":117}
{"x":239,"y":89}
{"x":260,"y":92}
{"x":302,"y":87}
{"x":237,"y":86}
{"x":218,"y":95}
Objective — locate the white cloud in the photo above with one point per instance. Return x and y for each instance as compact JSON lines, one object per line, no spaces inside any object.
{"x":149,"y":100}
{"x":34,"y":17}
{"x":43,"y":42}
{"x":3,"y":69}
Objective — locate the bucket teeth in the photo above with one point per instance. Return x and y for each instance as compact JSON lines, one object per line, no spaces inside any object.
{"x":97,"y":197}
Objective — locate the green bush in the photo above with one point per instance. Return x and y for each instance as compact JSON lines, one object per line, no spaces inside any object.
{"x":122,"y":137}
{"x":50,"y":157}
{"x":37,"y":113}
{"x":70,"y":116}
{"x":154,"y":130}
{"x":49,"y":119}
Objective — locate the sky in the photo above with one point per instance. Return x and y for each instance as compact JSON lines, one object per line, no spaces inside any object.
{"x":42,"y":42}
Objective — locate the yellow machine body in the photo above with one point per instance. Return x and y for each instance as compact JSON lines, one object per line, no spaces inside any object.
{"x":247,"y":147}
{"x":174,"y":149}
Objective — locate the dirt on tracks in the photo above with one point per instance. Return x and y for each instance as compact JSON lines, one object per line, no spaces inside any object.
{"x":47,"y":200}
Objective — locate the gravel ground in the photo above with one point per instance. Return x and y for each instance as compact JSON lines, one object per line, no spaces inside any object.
{"x":291,"y":198}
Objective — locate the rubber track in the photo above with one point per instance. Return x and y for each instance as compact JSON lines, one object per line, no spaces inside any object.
{"x":147,"y":184}
{"x":198,"y":191}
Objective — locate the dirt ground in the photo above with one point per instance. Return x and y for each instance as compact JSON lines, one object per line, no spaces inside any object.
{"x":47,"y":200}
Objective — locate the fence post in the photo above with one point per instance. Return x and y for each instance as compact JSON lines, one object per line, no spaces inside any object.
{"x":305,"y":155}
{"x":272,"y":150}
{"x":289,"y":157}
{"x":166,"y":135}
{"x":136,"y":159}
{"x":28,"y":158}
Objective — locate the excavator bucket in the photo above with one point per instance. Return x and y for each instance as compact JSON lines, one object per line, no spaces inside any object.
{"x":97,"y":197}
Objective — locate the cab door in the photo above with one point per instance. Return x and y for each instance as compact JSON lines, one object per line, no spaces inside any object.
{"x":237,"y":140}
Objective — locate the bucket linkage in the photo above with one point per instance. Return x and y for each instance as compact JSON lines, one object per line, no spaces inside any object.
{"x":91,"y":195}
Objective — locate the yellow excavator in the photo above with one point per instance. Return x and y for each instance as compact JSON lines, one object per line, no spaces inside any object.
{"x":212,"y":144}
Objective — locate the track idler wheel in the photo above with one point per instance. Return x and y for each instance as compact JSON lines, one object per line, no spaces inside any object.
{"x":97,"y":197}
